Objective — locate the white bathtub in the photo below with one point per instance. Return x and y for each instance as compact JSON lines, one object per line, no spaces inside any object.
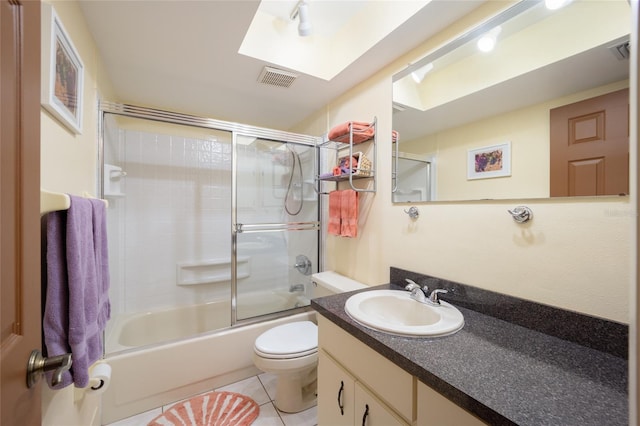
{"x":146,"y":378}
{"x":149,"y":328}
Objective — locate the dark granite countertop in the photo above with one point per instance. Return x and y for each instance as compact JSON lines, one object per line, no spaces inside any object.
{"x":502,"y":372}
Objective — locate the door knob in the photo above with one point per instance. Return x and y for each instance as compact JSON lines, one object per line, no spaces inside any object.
{"x":38,"y":365}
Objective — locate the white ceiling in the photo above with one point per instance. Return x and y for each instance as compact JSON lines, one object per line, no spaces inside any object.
{"x":183,"y":56}
{"x":338,"y":36}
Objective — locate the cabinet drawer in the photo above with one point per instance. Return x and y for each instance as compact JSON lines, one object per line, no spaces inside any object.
{"x":393,"y":385}
{"x":436,"y":410}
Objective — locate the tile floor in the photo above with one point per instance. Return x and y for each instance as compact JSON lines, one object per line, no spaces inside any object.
{"x":262,"y":389}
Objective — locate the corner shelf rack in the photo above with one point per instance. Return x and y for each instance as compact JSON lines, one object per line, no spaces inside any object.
{"x":357,"y":173}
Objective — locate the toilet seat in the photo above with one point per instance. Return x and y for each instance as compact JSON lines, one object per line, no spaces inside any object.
{"x":292,"y":340}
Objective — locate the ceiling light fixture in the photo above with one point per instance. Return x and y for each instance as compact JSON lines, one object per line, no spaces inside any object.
{"x":301,"y":11}
{"x":556,"y":4}
{"x":487,"y":42}
{"x":418,"y":75}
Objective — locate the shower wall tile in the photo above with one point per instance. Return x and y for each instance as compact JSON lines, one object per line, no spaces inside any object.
{"x":177,"y":209}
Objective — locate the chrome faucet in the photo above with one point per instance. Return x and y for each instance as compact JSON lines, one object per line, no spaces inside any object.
{"x":433,"y":297}
{"x":420,"y":294}
{"x":417,"y":293}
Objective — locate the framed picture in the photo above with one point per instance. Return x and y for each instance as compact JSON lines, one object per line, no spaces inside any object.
{"x":62,"y":72}
{"x":489,"y":161}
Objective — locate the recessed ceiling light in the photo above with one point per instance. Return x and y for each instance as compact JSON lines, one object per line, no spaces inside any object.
{"x":556,"y":4}
{"x":418,"y":75}
{"x":487,"y":42}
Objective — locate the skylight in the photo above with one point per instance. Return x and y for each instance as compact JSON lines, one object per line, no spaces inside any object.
{"x":342,"y":32}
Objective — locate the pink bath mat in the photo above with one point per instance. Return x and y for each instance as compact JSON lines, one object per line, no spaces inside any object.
{"x":211,"y":409}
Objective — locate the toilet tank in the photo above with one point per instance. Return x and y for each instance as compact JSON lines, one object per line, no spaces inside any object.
{"x":329,"y":282}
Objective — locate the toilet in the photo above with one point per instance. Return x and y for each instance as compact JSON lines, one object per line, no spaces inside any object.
{"x":290,"y":351}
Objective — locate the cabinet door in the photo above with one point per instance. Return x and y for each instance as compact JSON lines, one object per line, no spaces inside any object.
{"x":335,"y":393}
{"x":370,"y":411}
{"x":390,"y":383}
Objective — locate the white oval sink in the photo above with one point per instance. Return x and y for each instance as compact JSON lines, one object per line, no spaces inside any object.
{"x":395,"y":312}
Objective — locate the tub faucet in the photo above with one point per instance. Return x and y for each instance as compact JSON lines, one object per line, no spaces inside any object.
{"x":296,"y":287}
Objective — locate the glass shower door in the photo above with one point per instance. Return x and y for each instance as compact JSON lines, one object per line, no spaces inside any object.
{"x":413,"y":181}
{"x":276,"y":226}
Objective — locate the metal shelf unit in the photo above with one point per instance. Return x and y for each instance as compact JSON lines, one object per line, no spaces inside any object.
{"x":357,"y":173}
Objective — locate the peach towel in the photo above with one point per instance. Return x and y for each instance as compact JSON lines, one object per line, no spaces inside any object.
{"x":349,"y":213}
{"x":335,"y":198}
{"x":362,"y":131}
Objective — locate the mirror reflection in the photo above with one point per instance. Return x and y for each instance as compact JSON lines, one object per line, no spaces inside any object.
{"x":541,"y":111}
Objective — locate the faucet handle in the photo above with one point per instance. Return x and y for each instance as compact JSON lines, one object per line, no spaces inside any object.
{"x":433,"y":297}
{"x":411,"y":286}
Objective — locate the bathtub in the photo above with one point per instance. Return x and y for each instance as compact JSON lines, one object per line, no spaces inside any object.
{"x":150,"y":328}
{"x":151,"y":376}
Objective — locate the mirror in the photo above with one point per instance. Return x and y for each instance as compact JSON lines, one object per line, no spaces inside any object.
{"x":482,"y":120}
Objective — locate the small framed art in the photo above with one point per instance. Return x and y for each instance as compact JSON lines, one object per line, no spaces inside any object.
{"x":489,"y":161}
{"x":62,"y":72}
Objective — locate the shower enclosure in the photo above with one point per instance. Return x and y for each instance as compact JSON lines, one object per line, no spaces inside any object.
{"x":211,"y":224}
{"x":413,"y":178}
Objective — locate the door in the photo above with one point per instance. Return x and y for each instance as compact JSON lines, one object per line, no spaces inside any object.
{"x":276,"y":225}
{"x":19,"y":208}
{"x":370,"y":411}
{"x":336,"y":392}
{"x":590,"y":147}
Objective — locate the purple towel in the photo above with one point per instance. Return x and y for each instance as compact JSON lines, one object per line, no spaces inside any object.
{"x":77,"y":304}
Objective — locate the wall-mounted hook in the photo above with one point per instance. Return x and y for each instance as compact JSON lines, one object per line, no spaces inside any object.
{"x":413,"y":212}
{"x":521,"y":214}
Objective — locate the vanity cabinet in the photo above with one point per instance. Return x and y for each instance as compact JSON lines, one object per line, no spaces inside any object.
{"x":352,"y":377}
{"x":344,"y":401}
{"x":366,"y":378}
{"x":436,"y":410}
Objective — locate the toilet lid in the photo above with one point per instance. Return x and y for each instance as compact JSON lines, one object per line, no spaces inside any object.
{"x":295,"y":338}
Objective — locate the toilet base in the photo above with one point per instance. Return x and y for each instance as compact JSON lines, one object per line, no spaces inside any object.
{"x":296,"y":380}
{"x":297,"y":391}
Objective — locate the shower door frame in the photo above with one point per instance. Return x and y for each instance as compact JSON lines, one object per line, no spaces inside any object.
{"x":133,"y":111}
{"x":430,"y":185}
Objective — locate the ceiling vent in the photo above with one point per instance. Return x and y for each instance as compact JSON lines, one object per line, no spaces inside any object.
{"x":621,"y":51}
{"x":276,"y":77}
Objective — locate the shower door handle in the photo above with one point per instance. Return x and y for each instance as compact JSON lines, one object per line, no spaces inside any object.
{"x":273,"y":227}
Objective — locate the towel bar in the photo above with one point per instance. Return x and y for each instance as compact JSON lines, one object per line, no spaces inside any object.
{"x":56,"y":201}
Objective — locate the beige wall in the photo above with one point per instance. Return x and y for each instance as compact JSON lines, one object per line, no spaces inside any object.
{"x":68,"y":161}
{"x":575,"y":254}
{"x":68,"y":164}
{"x":528,"y":131}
